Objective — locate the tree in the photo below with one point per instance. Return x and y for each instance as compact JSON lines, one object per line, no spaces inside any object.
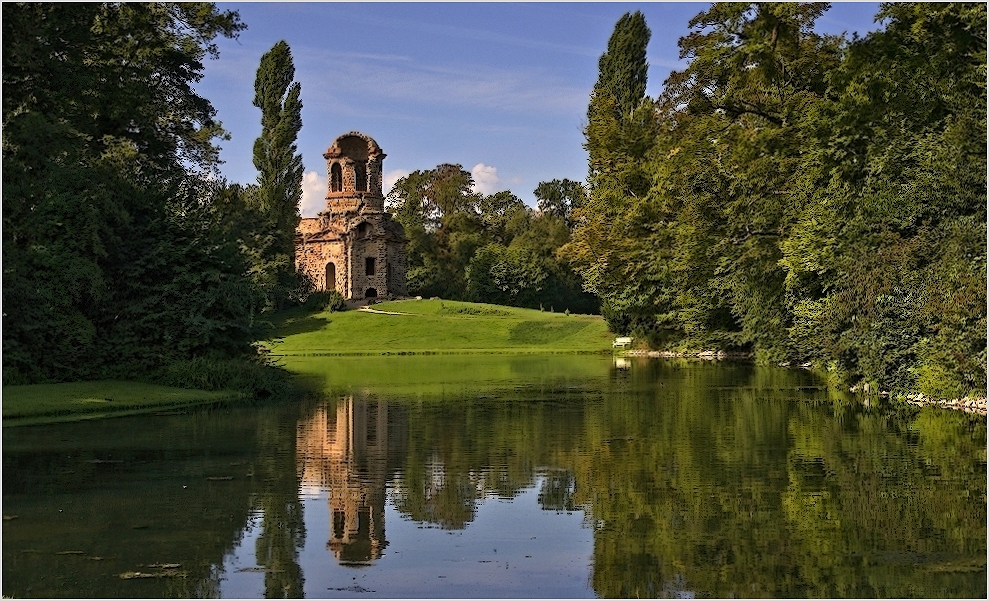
{"x":622,"y":70}
{"x":886,"y":263}
{"x":621,"y":131}
{"x":280,"y":172}
{"x":103,"y":135}
{"x":500,"y":215}
{"x":725,"y":182}
{"x":809,"y":198}
{"x":560,"y":198}
{"x":439,"y":211}
{"x":488,"y":248}
{"x":615,"y":140}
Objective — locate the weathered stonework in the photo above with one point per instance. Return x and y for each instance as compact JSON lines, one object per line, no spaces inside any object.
{"x":354,"y":246}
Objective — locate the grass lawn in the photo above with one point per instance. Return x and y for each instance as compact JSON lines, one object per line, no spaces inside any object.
{"x":438,"y":326}
{"x":47,"y":403}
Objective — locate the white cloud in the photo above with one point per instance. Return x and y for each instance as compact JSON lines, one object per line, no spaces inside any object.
{"x":389,"y":178}
{"x":313,"y":194}
{"x":486,"y":179}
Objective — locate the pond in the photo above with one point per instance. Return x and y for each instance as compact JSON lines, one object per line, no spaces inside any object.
{"x":506,"y":476}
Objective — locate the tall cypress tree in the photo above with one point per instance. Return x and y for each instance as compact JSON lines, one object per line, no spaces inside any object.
{"x":622,"y":70}
{"x":621,"y":129}
{"x":280,"y":170}
{"x":619,"y":117}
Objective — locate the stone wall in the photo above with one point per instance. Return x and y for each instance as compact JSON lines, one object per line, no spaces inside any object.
{"x":313,"y":257}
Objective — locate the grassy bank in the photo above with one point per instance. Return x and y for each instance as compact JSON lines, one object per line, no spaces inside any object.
{"x":436,"y":326}
{"x":398,"y":327}
{"x":49,"y":403}
{"x":450,"y":376}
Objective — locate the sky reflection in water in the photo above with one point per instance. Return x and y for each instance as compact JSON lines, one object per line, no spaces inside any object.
{"x":509,"y":477}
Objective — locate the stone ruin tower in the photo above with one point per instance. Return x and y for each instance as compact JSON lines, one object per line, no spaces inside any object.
{"x":354,"y":246}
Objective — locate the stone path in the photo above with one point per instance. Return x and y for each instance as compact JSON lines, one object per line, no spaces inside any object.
{"x":370,"y":310}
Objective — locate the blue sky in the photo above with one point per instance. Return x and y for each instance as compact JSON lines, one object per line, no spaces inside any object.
{"x":500,"y":88}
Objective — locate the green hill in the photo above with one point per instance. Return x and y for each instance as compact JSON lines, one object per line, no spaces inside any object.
{"x":438,"y":326}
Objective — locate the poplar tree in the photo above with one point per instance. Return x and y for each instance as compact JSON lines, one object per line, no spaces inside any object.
{"x":619,"y":115}
{"x":622,"y":69}
{"x":280,"y":170}
{"x":621,"y":130}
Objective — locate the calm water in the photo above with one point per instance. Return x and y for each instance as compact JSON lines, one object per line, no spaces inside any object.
{"x":521,"y":476}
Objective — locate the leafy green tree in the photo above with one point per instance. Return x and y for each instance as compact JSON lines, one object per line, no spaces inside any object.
{"x":754,"y":73}
{"x":101,"y":128}
{"x":501,"y":214}
{"x":505,"y":276}
{"x":808,"y":198}
{"x":439,"y":211}
{"x":560,"y":198}
{"x":487,"y":248}
{"x":623,"y":70}
{"x":616,"y":140}
{"x":887,"y":261}
{"x":280,"y":172}
{"x":620,"y":133}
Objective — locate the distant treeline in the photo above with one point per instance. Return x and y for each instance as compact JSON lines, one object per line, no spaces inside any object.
{"x":464,"y":245}
{"x":806,"y":197}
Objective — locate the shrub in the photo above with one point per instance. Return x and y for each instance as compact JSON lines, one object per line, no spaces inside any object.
{"x":255,"y":378}
{"x":325,"y":300}
{"x":938,"y":382}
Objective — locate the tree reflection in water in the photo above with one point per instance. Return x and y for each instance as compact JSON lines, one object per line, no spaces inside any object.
{"x":283,"y":529}
{"x":727,"y":480}
{"x":692,"y":479}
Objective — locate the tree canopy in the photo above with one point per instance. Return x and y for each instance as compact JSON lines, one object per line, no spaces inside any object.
{"x":802,"y":196}
{"x":115,"y":261}
{"x":486,"y":248}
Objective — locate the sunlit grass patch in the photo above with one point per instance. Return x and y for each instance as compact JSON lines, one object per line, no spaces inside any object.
{"x":438,"y":326}
{"x":102,"y":397}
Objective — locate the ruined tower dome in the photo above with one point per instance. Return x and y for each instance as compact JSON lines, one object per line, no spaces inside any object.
{"x":354,"y":246}
{"x":353,"y":167}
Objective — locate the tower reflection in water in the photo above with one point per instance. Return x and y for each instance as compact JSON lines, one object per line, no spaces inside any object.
{"x":343,"y":450}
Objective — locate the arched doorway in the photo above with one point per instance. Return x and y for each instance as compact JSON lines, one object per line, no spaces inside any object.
{"x":331,"y":277}
{"x":371,"y":293}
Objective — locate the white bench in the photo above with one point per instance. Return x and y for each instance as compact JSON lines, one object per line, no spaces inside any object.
{"x":622,"y":342}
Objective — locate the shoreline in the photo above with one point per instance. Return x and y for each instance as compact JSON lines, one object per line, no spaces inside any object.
{"x":39,"y":404}
{"x":972,"y":405}
{"x":708,"y":355}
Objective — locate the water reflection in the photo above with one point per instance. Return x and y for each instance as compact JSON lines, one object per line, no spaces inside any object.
{"x":344,"y":450}
{"x":526,"y":477}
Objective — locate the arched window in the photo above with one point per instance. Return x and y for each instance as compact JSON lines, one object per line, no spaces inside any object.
{"x":360,"y":177}
{"x":336,"y":178}
{"x":371,"y":293}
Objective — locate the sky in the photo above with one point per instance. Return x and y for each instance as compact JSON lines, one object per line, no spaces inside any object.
{"x":499,"y":88}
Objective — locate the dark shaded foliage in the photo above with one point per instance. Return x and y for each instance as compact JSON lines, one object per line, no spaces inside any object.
{"x":121,"y":254}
